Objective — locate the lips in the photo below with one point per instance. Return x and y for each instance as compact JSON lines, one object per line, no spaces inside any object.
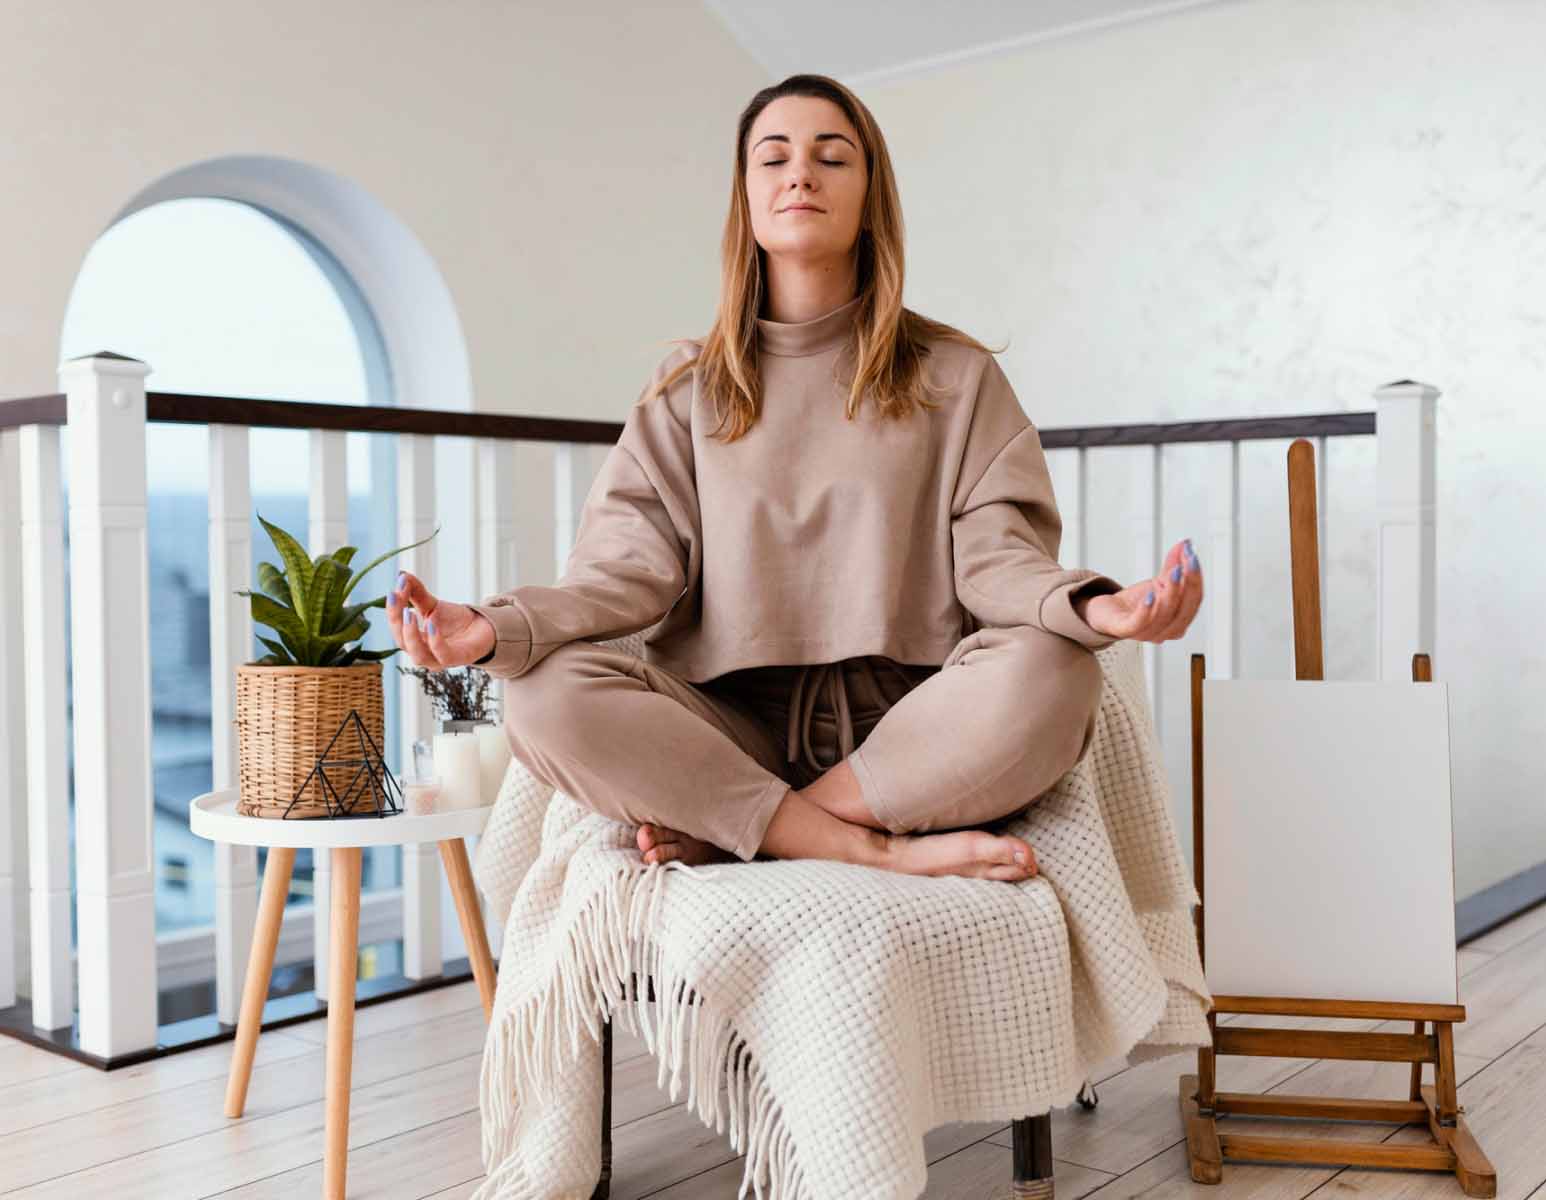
{"x":802,"y":208}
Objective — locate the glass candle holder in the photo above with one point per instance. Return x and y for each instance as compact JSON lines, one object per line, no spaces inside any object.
{"x":421,"y":794}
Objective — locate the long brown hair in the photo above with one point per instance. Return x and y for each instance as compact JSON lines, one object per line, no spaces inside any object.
{"x":890,"y":342}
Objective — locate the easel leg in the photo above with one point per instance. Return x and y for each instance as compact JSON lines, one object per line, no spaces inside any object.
{"x":260,"y":965}
{"x":1203,"y":1151}
{"x":342,"y":965}
{"x":453,"y":853}
{"x":1418,"y":1028}
{"x":1444,"y":1073}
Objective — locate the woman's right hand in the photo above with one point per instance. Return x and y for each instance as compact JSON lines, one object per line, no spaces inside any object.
{"x":436,"y":633}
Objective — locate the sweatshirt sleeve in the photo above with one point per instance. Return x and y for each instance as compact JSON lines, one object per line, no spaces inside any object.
{"x":637,"y":545}
{"x":1005,"y":525}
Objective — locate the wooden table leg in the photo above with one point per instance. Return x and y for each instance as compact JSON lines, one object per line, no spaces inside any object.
{"x":344,"y":951}
{"x":453,"y":853}
{"x":260,"y":966}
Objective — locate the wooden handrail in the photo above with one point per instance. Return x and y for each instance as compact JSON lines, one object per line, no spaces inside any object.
{"x":188,"y":409}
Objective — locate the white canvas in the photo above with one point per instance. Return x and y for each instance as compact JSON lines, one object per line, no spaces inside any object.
{"x":1328,"y":864}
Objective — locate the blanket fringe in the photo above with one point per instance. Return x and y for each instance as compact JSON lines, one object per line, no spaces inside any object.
{"x":613,"y":940}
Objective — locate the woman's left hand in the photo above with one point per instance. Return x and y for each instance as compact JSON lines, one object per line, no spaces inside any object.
{"x":1153,"y":610}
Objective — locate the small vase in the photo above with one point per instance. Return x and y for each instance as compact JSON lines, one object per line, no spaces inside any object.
{"x":463,"y":726}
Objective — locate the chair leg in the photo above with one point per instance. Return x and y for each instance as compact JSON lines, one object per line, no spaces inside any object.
{"x":604,"y":1184}
{"x":1033,"y":1158}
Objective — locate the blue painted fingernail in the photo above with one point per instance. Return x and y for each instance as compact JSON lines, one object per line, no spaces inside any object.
{"x":1175,"y":575}
{"x":401,"y":579}
{"x":1149,"y":599}
{"x":413,"y":616}
{"x":429,"y":627}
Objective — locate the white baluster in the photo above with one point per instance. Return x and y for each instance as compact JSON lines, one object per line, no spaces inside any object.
{"x":1144,"y":524}
{"x":1221,"y":560}
{"x":13,"y":780}
{"x":497,"y":557}
{"x":48,"y":810}
{"x":327,"y":529}
{"x":1405,"y":542}
{"x":423,"y":956}
{"x":230,"y":646}
{"x":1322,"y":492}
{"x":571,"y":483}
{"x":110,"y":664}
{"x":1069,"y":469}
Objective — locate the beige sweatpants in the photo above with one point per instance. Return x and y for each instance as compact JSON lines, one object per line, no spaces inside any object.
{"x":980,"y":737}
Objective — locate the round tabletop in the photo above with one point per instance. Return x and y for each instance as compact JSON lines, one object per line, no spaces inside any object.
{"x":214,"y":816}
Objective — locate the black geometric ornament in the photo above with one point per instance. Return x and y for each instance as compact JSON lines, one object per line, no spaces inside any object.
{"x":371,"y":778}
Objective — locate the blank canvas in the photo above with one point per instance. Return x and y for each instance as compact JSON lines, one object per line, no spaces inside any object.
{"x":1328,"y":843}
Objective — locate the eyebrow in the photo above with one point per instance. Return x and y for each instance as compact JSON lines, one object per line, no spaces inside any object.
{"x":784,"y":137}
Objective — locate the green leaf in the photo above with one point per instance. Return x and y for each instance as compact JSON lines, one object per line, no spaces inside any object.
{"x":335,"y":599}
{"x":324,"y":574}
{"x":351,"y":614}
{"x":272,"y":581}
{"x":277,"y":617}
{"x":378,"y":655}
{"x":279,"y":649}
{"x":298,"y":568}
{"x":360,"y":574}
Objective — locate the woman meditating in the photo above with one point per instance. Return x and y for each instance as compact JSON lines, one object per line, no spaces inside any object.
{"x":837,"y":526}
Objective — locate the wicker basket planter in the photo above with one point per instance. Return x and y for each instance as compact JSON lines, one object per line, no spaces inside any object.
{"x":285,"y":718}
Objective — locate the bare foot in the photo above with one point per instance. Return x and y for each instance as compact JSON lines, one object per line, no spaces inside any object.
{"x":659,"y":843}
{"x":971,"y":852}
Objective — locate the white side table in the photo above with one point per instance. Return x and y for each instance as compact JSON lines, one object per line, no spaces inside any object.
{"x":214,"y":816}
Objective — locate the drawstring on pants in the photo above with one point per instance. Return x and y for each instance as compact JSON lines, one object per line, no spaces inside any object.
{"x":808,"y":686}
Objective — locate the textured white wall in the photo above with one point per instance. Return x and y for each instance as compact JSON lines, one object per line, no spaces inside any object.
{"x":1272,"y":207}
{"x":564,"y":175}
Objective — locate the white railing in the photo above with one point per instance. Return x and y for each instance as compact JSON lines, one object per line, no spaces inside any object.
{"x":106,"y":410}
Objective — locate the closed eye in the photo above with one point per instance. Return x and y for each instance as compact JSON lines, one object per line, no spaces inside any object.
{"x":773,"y":162}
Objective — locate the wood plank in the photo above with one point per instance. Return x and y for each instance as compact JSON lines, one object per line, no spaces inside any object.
{"x":421,"y":1162}
{"x":1378,"y":1009}
{"x":255,"y":1148}
{"x":1277,"y":1043}
{"x":172,"y":1116}
{"x":404,"y":1013}
{"x":21,"y":1062}
{"x":54,"y":1097}
{"x":1505,"y":999}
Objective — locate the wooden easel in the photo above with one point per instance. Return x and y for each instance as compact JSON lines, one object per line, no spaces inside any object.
{"x":1452,"y":1147}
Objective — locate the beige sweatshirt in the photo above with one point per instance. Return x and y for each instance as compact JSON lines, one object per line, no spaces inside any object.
{"x":812,"y":538}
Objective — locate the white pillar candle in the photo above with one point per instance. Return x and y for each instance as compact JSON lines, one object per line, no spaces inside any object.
{"x":493,"y":758}
{"x":456,"y":765}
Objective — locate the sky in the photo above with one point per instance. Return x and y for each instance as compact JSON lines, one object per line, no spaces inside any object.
{"x":217,"y":298}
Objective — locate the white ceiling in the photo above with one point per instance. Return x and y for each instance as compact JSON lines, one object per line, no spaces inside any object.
{"x":869,"y":41}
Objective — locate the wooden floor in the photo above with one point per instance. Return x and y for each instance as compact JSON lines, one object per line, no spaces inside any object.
{"x":156,"y":1130}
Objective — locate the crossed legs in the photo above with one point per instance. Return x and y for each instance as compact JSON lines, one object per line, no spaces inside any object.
{"x":702,"y":776}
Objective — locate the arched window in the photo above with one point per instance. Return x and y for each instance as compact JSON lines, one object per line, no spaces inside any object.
{"x":219,"y":297}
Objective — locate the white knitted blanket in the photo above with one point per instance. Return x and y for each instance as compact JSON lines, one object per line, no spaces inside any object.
{"x":833,"y":1014}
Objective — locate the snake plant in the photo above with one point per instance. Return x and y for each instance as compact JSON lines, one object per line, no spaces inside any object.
{"x":304,"y":605}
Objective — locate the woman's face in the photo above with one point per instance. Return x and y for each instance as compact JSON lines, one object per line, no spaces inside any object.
{"x":804,"y":152}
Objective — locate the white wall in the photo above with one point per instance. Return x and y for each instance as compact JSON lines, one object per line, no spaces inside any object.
{"x":1272,"y":207}
{"x":565,"y":175}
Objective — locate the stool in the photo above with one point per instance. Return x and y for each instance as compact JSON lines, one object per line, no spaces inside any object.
{"x":214,"y":816}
